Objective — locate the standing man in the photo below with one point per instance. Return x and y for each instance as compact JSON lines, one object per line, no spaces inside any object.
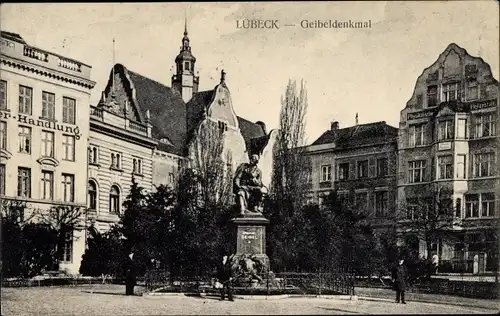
{"x":224,"y":274}
{"x":399,"y":278}
{"x":130,"y":278}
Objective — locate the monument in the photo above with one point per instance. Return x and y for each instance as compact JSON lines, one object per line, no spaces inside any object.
{"x":251,"y":224}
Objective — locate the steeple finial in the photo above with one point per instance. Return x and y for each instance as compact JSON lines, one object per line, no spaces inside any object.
{"x":356,"y":118}
{"x":222,"y":76}
{"x":185,"y":23}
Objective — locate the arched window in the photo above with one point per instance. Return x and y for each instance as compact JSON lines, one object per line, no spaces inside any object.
{"x":186,"y":65}
{"x":92,"y":195}
{"x":114,"y":200}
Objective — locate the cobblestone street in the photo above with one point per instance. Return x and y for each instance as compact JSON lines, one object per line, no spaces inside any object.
{"x":109,"y":300}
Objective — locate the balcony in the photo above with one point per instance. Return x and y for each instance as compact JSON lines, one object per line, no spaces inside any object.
{"x":101,"y":114}
{"x":40,"y":57}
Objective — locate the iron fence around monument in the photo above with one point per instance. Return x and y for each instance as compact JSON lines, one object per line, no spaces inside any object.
{"x":298,"y":283}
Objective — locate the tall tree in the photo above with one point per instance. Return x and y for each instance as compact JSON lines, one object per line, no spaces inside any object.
{"x":429,"y":217}
{"x":289,"y":179}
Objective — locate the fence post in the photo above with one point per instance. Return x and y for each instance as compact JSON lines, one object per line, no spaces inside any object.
{"x":320,"y":282}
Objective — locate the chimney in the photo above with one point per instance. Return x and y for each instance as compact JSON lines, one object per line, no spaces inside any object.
{"x":334,"y":126}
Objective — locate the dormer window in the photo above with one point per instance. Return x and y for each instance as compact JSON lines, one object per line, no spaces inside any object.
{"x":472,"y":90}
{"x":451,"y":92}
{"x":431,"y":96}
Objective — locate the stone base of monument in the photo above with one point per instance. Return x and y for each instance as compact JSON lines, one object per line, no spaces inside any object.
{"x":251,"y":237}
{"x":251,"y":242}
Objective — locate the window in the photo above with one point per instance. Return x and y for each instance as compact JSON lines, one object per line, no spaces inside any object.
{"x":458,"y":208}
{"x":411,"y":209}
{"x":381,"y":199}
{"x":115,"y":161}
{"x":416,"y":171}
{"x":472,"y":90}
{"x":47,"y":185}
{"x":361,"y":201}
{"x":92,"y":195}
{"x":137,"y":166}
{"x":461,"y":166}
{"x":68,"y":187}
{"x":472,"y":205}
{"x":445,"y":130}
{"x":3,"y":135}
{"x":186,"y":65}
{"x":24,"y":139}
{"x":431,"y":96}
{"x":222,"y":126}
{"x":47,"y":144}
{"x":344,"y":171}
{"x":66,"y":252}
{"x":114,"y":200}
{"x":48,"y":105}
{"x":416,"y":135}
{"x":25,"y":99}
{"x":2,"y":179}
{"x":485,"y":125}
{"x":462,"y":129}
{"x":326,"y":173}
{"x":170,"y":177}
{"x":3,"y":94}
{"x":69,"y":108}
{"x":93,"y":155}
{"x":69,"y":147}
{"x":382,"y":167}
{"x":24,"y":182}
{"x":363,"y":169}
{"x":451,"y":92}
{"x":445,"y":167}
{"x":483,"y":165}
{"x":487,"y":204}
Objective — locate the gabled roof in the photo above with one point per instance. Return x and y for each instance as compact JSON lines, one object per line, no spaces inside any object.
{"x":359,"y":135}
{"x":173,"y":121}
{"x":166,"y":107}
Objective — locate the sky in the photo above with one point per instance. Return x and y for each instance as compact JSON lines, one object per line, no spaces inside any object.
{"x":370,"y":71}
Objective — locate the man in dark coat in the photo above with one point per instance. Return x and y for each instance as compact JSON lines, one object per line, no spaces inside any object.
{"x":224,"y":274}
{"x":130,"y":278}
{"x":399,"y":278}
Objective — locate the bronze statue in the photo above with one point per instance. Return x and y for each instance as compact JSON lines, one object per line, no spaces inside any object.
{"x":248,"y":187}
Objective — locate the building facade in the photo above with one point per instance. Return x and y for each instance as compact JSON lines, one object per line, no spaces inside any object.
{"x":144,"y":129}
{"x":44,"y":106}
{"x":359,"y":163}
{"x":448,"y":142}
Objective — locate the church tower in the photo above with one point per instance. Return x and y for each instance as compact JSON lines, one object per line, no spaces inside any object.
{"x":184,"y":81}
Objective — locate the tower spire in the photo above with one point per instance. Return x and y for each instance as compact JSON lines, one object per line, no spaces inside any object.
{"x":113,"y":82}
{"x":185,"y":23}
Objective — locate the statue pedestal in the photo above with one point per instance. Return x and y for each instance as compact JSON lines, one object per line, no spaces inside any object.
{"x":251,"y":237}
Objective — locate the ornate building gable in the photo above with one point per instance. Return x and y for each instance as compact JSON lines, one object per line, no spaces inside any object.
{"x":221,"y":106}
{"x":455,"y":77}
{"x":119,"y":96}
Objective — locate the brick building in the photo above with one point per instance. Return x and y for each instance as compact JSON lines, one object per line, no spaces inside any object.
{"x":359,"y":162}
{"x":448,"y":140}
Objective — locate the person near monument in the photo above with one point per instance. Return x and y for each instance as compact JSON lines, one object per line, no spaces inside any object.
{"x":224,"y":274}
{"x":399,"y":278}
{"x":248,"y":187}
{"x":130,"y":278}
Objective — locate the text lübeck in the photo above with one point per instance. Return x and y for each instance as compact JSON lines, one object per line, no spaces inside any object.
{"x":257,"y":24}
{"x":25,"y":119}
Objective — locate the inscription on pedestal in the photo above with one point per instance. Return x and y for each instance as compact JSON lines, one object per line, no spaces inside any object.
{"x":250,"y":239}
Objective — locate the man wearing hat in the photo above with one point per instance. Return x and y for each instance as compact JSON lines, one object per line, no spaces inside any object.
{"x":399,"y":278}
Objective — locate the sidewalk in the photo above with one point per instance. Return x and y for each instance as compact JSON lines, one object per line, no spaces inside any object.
{"x":365,"y":293}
